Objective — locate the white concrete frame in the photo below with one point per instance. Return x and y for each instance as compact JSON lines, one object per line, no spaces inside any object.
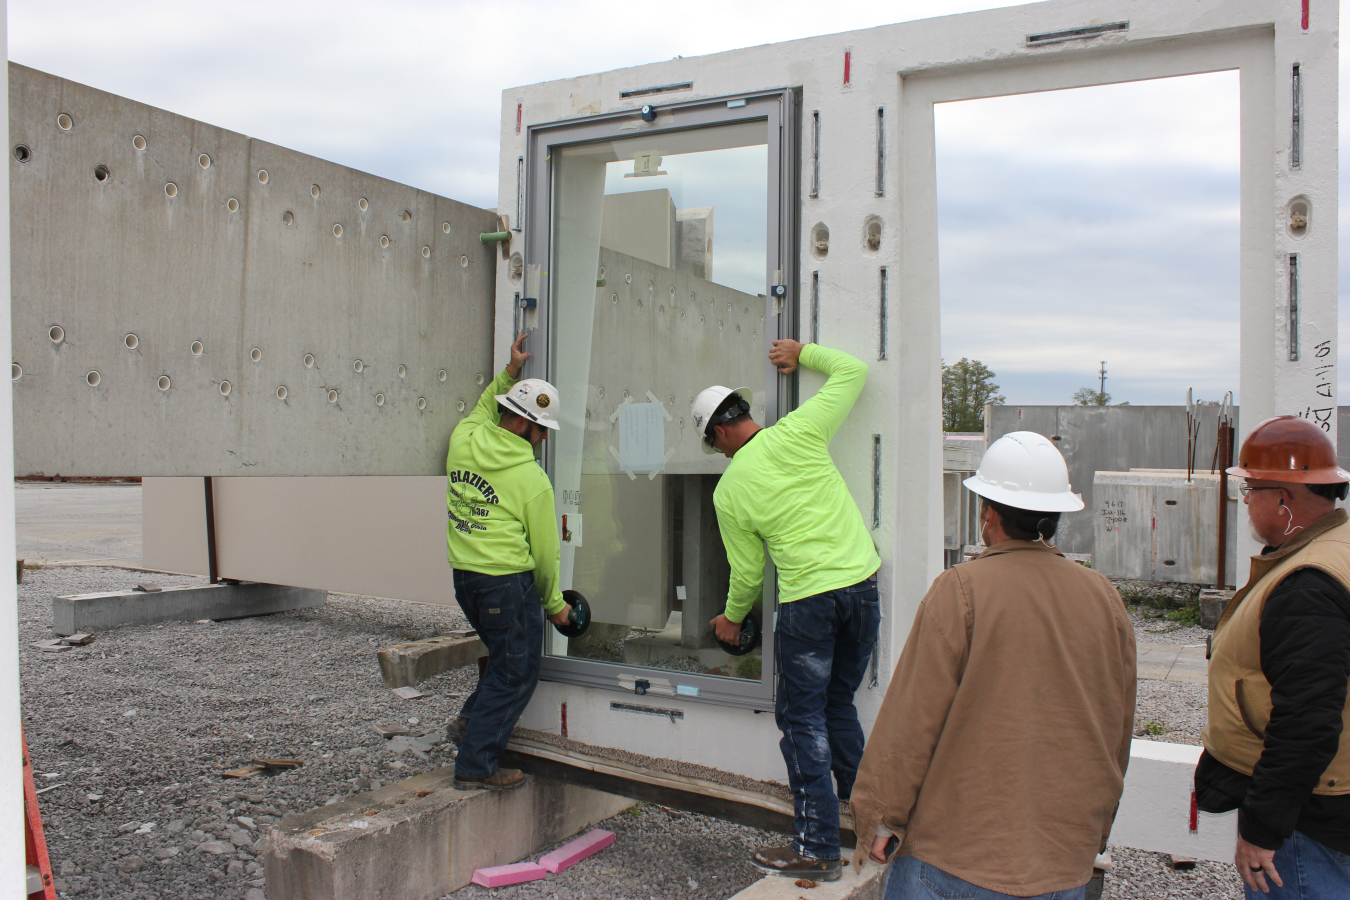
{"x":905,"y":69}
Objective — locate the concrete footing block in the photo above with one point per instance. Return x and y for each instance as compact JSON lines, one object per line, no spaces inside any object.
{"x":421,"y":838}
{"x":405,"y":665}
{"x":866,"y":885}
{"x":100,"y":612}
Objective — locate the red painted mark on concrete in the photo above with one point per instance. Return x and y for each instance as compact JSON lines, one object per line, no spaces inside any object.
{"x":519,"y":105}
{"x":848,"y":65}
{"x":1195,"y":815}
{"x":1154,"y":526}
{"x":564,"y":720}
{"x":1305,"y":15}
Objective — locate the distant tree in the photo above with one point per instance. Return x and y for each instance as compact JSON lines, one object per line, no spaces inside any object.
{"x":1088,"y":397}
{"x":967,"y":387}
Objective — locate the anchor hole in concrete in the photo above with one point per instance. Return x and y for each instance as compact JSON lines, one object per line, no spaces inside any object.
{"x":22,"y":153}
{"x":820,"y":240}
{"x":421,"y":402}
{"x":196,"y":348}
{"x":358,"y":367}
{"x":402,"y":371}
{"x":255,"y":354}
{"x":518,"y":267}
{"x":204,"y":161}
{"x":407,"y":215}
{"x":131,"y":341}
{"x":138,"y":141}
{"x":232,"y":205}
{"x":464,"y":262}
{"x":379,"y":399}
{"x":65,"y":122}
{"x":384,"y":240}
{"x":15,"y":371}
{"x":225,"y":388}
{"x":426,"y":252}
{"x":332,"y":396}
{"x":287,"y":217}
{"x":337,"y":230}
{"x":164,"y":383}
{"x":57,"y":334}
{"x":460,"y":406}
{"x":309,"y":360}
{"x":314,"y":191}
{"x":93,"y":378}
{"x":170,"y":190}
{"x":441,"y":375}
{"x":281,"y":392}
{"x":445,"y":226}
{"x":1300,"y":217}
{"x":262,"y":176}
{"x":478,"y":379}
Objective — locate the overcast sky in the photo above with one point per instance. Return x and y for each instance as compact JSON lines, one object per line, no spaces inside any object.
{"x":1075,"y":227}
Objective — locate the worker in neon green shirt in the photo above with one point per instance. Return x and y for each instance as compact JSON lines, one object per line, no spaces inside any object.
{"x":783,"y":489}
{"x":503,"y":544}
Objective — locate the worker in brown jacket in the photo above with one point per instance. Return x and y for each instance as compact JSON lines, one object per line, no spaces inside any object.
{"x":998,"y":759}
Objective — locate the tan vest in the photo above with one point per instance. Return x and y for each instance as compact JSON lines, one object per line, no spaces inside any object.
{"x":1239,"y":694}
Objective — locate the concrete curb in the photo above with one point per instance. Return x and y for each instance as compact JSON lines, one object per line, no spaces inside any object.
{"x":405,"y":665}
{"x":867,"y":885}
{"x":100,"y":612}
{"x":421,"y":838}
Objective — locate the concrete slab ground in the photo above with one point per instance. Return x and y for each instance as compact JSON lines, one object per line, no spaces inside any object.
{"x":78,"y":523}
{"x":867,"y":885}
{"x":1172,"y":662}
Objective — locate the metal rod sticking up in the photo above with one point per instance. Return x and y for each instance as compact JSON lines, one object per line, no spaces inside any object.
{"x":1223,"y":455}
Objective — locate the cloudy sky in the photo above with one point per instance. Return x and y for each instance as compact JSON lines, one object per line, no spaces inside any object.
{"x":1075,"y":227}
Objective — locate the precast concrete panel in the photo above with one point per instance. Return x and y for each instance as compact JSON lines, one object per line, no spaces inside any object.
{"x":874,"y":160}
{"x":226,"y":306}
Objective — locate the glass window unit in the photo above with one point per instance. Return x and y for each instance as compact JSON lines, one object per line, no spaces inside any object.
{"x":652,"y":252}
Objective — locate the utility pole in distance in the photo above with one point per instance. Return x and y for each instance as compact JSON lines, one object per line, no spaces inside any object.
{"x":1101,"y":386}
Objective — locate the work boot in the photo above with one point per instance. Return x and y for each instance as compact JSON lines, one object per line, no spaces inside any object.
{"x":787,"y":861}
{"x":454,"y":732}
{"x":510,"y":779}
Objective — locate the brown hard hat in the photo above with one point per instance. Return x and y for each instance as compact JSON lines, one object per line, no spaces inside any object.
{"x":1291,"y":449}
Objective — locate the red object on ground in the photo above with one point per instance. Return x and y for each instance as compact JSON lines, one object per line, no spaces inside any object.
{"x":1195,"y":815}
{"x":1305,"y":15}
{"x":573,"y":852}
{"x":35,"y":843}
{"x":516,"y":873}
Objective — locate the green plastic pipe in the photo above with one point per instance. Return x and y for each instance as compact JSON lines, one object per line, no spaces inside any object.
{"x":493,"y":237}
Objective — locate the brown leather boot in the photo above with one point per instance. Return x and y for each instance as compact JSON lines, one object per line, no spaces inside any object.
{"x":787,"y":861}
{"x":500,"y":780}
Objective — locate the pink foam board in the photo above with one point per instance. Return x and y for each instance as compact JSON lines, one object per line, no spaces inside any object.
{"x":573,"y":852}
{"x":516,"y":873}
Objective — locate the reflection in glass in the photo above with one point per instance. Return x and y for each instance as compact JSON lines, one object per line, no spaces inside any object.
{"x":658,"y":271}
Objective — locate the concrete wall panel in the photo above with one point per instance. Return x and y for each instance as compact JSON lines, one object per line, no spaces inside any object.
{"x":107,"y":258}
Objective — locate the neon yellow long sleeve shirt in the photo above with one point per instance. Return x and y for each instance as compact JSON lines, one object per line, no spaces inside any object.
{"x":500,"y":502}
{"x":783,"y":489}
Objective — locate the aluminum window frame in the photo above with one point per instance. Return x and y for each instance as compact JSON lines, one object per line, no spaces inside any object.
{"x":781,"y":110}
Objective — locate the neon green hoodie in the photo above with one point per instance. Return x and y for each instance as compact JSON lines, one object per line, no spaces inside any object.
{"x":782,"y":488}
{"x":500,"y":501}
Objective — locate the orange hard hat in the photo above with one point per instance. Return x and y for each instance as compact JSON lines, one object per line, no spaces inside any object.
{"x":1290,"y":449}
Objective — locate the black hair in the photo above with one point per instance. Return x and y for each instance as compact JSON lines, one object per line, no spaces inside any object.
{"x":506,"y":414}
{"x":1336,"y":490}
{"x":1025,"y":524}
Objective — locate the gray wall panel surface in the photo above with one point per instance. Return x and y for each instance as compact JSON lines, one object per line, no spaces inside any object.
{"x":107,"y":258}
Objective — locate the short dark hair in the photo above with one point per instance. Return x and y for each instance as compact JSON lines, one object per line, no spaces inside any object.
{"x":506,"y":414}
{"x":1025,"y":524}
{"x":1336,"y":490}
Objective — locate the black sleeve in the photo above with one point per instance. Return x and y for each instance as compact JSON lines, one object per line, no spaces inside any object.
{"x":1305,"y":655}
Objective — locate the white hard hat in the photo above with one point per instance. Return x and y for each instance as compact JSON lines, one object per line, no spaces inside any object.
{"x":535,"y":399}
{"x":1025,"y":471}
{"x":706,"y":403}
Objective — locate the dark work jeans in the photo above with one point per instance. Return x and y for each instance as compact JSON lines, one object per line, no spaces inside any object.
{"x":824,"y":643}
{"x":505,"y":611}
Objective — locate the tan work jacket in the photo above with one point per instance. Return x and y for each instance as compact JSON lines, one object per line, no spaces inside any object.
{"x":1239,"y":694}
{"x":1000,"y":751}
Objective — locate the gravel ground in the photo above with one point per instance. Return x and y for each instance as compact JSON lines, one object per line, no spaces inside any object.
{"x":657,"y":853}
{"x":137,"y":726}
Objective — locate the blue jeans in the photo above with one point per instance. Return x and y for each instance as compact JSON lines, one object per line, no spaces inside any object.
{"x":911,"y":879}
{"x":824,"y":643}
{"x":505,"y":611}
{"x":1309,"y":869}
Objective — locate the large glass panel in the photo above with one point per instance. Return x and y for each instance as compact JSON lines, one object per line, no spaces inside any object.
{"x":658,"y":273}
